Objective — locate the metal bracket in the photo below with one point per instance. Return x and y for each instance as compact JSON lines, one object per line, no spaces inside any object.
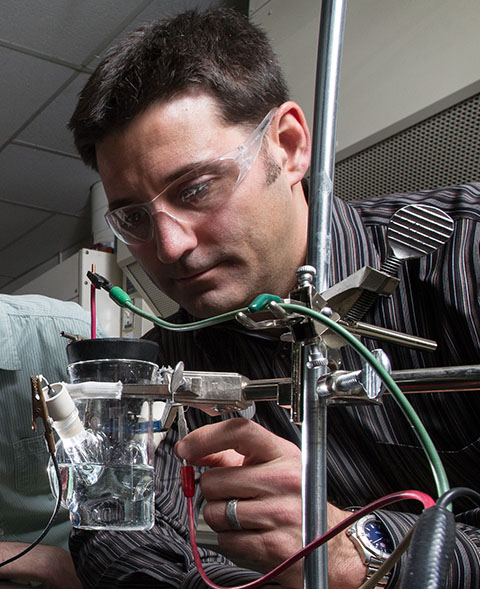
{"x":39,"y":411}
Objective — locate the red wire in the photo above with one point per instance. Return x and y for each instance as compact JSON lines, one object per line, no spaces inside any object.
{"x":187,"y":480}
{"x":93,"y":312}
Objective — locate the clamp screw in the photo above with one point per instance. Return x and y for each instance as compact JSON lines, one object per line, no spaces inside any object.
{"x":316,"y":359}
{"x":305,"y":275}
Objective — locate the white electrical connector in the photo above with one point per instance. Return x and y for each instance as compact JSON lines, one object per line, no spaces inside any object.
{"x":82,"y":446}
{"x":62,"y":410}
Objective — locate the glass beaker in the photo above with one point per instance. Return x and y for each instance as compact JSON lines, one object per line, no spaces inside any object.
{"x":109,"y":483}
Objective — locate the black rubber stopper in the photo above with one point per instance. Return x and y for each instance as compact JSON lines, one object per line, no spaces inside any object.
{"x":115,"y":348}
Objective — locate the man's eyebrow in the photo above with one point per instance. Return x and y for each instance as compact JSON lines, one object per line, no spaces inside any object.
{"x":179,"y":172}
{"x":172,"y":177}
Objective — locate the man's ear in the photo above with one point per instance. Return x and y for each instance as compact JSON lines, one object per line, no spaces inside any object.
{"x":292,"y":137}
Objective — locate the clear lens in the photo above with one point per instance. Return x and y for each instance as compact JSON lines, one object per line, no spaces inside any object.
{"x":132,"y":224}
{"x":201,"y":190}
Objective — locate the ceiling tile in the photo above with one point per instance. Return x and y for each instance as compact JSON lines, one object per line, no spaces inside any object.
{"x":49,"y":128}
{"x":48,"y":181}
{"x":27,"y":82}
{"x":67,"y":29}
{"x":4,"y":280}
{"x":16,"y":220}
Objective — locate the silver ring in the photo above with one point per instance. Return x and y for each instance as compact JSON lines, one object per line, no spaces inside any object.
{"x":231,"y":513}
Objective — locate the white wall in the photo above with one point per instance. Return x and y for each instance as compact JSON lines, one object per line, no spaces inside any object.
{"x":402,"y":60}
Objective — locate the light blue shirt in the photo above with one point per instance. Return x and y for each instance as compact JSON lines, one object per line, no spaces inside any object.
{"x":30,"y":344}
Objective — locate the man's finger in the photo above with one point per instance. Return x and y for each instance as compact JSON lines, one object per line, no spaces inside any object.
{"x":257,"y":480}
{"x":247,"y":438}
{"x":255,"y":514}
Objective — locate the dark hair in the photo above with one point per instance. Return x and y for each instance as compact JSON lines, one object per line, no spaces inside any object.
{"x":218,"y":51}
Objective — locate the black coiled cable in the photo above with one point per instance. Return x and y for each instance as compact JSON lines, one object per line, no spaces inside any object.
{"x":433,"y":543}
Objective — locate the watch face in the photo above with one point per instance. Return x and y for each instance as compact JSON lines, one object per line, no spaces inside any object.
{"x":378,"y":536}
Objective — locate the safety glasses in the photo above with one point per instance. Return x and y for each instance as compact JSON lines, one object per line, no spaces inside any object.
{"x":198,"y":192}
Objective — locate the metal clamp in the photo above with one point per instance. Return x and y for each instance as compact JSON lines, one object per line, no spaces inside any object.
{"x":39,"y":411}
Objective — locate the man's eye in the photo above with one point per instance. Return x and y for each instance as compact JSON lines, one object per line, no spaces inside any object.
{"x":195,"y":192}
{"x":134,"y":217}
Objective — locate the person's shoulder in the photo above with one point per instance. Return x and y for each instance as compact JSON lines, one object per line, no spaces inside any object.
{"x":462,"y":201}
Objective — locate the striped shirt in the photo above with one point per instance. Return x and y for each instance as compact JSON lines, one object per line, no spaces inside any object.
{"x":371,"y":449}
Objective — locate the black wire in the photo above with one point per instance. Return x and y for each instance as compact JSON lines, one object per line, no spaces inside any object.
{"x":456,"y":492}
{"x":50,"y":522}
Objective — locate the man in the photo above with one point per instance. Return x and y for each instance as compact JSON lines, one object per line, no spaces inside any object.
{"x":31,"y":344}
{"x":202,"y":156}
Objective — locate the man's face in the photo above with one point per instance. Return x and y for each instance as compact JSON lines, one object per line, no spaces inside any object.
{"x":218,"y":262}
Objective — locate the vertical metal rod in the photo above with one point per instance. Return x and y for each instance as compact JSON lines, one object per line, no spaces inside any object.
{"x":314,"y":439}
{"x":314,"y":470}
{"x":324,"y":139}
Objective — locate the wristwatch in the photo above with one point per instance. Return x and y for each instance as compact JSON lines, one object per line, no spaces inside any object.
{"x":373,"y":543}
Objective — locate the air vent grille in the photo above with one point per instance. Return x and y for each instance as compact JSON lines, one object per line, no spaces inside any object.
{"x":443,"y":150}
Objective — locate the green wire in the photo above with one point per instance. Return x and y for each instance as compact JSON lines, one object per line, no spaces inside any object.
{"x":261,"y":302}
{"x":121,"y":298}
{"x":185,"y":326}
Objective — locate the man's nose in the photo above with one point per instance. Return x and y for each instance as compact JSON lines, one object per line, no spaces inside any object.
{"x":173,"y":237}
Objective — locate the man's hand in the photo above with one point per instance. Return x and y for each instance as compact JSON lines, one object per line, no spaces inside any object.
{"x":263,"y":471}
{"x":51,"y":565}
